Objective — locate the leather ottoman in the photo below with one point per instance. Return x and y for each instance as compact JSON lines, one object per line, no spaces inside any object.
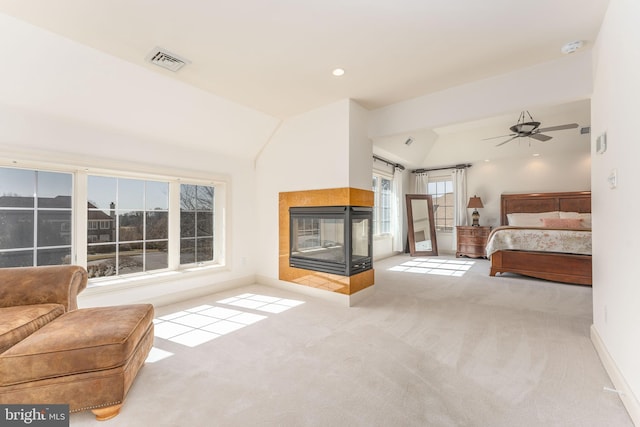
{"x":87,"y":358}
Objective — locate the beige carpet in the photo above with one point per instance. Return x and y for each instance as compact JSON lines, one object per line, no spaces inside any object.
{"x":456,"y":348}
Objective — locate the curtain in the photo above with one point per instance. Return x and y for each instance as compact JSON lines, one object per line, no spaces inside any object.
{"x":421,"y":183}
{"x":459,"y":203}
{"x":397,"y":211}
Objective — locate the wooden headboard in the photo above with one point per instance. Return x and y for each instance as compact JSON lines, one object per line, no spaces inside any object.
{"x":574,"y":201}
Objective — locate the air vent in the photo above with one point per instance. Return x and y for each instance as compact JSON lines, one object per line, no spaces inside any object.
{"x":165,"y":59}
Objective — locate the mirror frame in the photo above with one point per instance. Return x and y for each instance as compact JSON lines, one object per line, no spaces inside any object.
{"x":410,"y":226}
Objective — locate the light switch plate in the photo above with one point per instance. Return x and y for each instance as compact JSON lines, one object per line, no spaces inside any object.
{"x":601,"y":143}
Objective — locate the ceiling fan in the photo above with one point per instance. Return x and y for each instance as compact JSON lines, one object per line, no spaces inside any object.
{"x":531,"y":129}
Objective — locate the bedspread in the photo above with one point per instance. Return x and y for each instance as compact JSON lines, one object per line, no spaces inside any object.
{"x":571,"y":241}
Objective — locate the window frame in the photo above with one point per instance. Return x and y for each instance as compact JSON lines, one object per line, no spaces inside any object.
{"x":434,"y":180}
{"x":36,"y":209}
{"x":79,"y":219}
{"x":377,"y":208}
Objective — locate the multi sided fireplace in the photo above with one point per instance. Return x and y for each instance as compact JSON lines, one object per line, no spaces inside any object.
{"x":331,"y":239}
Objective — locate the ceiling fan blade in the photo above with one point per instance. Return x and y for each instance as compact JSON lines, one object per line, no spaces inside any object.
{"x":540,"y":137}
{"x":501,"y":136}
{"x":561,"y":127}
{"x":504,"y":142}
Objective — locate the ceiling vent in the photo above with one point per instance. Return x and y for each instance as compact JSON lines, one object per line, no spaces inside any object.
{"x":165,"y":59}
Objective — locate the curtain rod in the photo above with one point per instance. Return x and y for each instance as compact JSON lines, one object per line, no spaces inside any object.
{"x":388,"y":162}
{"x":460,"y":166}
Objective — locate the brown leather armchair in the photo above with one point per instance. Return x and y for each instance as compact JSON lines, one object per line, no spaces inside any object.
{"x":51,"y":352}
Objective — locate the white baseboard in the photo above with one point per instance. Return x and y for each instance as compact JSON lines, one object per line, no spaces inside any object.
{"x":629,"y":400}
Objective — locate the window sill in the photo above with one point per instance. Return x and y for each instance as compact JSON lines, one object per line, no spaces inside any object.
{"x":104,"y":285}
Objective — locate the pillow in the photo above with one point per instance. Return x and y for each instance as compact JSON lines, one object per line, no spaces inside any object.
{"x":586,"y":217}
{"x":530,"y":219}
{"x":562,"y":222}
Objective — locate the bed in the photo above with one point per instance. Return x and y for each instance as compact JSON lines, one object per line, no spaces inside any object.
{"x":573,"y":266}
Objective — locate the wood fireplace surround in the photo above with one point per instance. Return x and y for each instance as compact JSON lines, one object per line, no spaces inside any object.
{"x":347,"y":196}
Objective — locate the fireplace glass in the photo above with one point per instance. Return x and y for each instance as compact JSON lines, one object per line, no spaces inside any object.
{"x":331,"y":239}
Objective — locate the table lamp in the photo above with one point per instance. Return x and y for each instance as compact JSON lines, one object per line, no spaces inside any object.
{"x":475,"y":202}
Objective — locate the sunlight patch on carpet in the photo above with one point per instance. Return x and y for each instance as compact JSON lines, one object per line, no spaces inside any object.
{"x":262,"y":303}
{"x":440,"y":267}
{"x":197,"y":325}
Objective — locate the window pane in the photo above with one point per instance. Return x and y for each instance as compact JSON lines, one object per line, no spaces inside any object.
{"x":204,"y":250}
{"x":187,"y":197}
{"x":443,"y":203}
{"x":131,"y":226}
{"x":157,"y":196}
{"x":17,"y":187}
{"x":187,"y":251}
{"x":54,"y":190}
{"x":130,"y":258}
{"x":130,"y":194}
{"x":205,"y":224}
{"x":156,"y":256}
{"x":101,"y":227}
{"x":187,"y":224}
{"x":157,"y":226}
{"x":102,"y":192}
{"x":205,"y":198}
{"x":58,"y":256}
{"x":54,"y":228}
{"x":101,"y":260}
{"x":16,"y":259}
{"x":16,"y":229}
{"x":196,"y":220}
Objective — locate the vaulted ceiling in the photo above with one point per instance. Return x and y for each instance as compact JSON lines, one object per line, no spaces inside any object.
{"x":277,"y":56}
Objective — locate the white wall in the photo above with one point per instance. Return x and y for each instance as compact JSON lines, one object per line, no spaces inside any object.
{"x":360,"y":148}
{"x":560,"y":172}
{"x":62,"y":103}
{"x":308,"y":152}
{"x":616,"y":241}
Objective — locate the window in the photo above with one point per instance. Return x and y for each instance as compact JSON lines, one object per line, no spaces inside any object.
{"x":441,"y":190}
{"x":196,"y":223}
{"x":382,"y":190}
{"x":133,"y":218}
{"x":35,"y":217}
{"x":125,"y":224}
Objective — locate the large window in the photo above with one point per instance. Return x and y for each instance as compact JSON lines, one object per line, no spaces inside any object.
{"x":196,"y":223}
{"x":127,"y":226}
{"x":382,"y":190}
{"x":441,"y":190}
{"x":35,"y":217}
{"x":113,"y":224}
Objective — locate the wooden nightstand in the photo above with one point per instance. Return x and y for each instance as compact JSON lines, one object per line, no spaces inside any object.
{"x":472,"y":241}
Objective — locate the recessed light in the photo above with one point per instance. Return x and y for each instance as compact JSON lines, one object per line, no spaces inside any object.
{"x":536,"y":155}
{"x":338,"y":72}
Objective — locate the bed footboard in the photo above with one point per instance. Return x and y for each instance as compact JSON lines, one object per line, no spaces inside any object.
{"x":565,"y":268}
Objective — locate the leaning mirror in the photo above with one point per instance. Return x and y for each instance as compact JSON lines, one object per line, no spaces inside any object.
{"x":422,"y":229}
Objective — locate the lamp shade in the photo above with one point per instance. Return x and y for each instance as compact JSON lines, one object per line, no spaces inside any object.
{"x":475,"y":202}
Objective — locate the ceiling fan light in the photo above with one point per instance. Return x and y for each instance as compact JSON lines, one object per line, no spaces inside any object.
{"x":525,"y":128}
